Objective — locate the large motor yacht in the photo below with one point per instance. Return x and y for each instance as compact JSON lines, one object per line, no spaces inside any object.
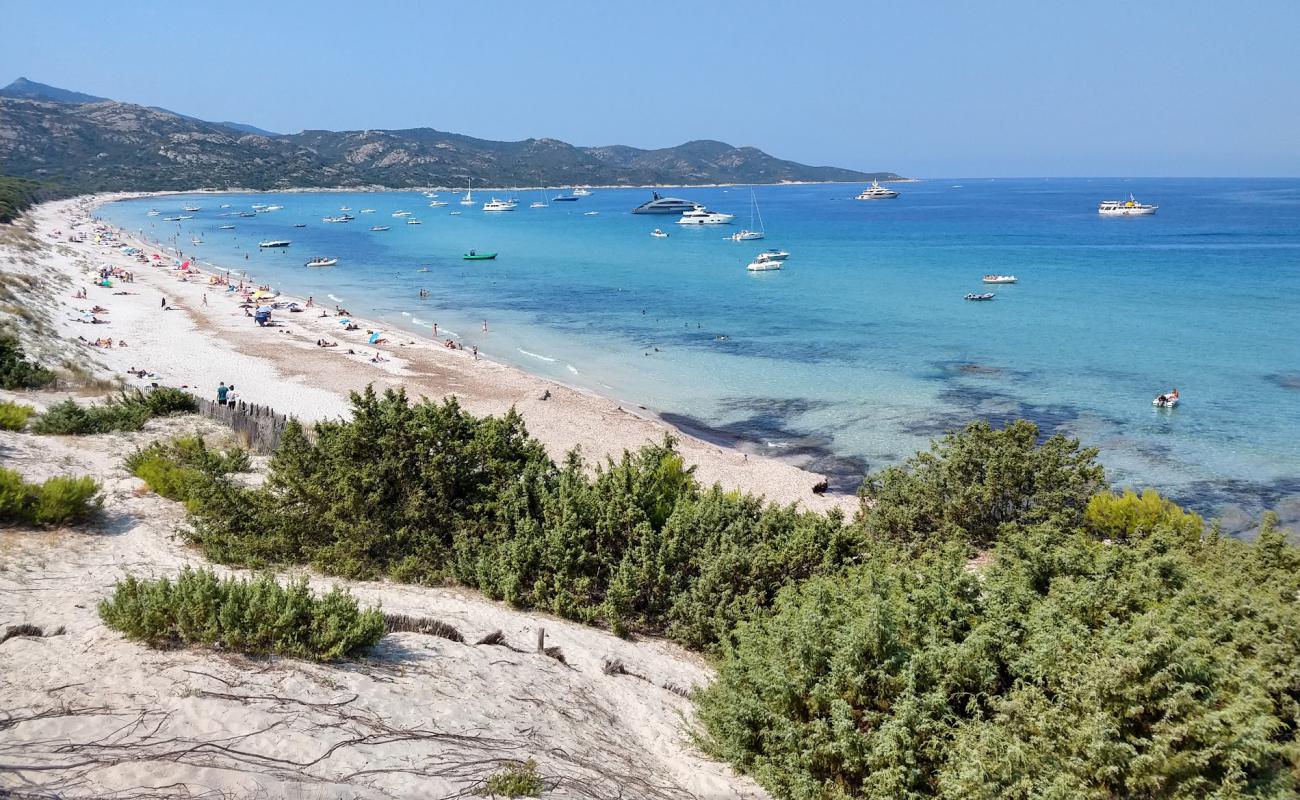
{"x":1125,"y":208}
{"x":877,"y":192}
{"x":664,"y":205}
{"x":499,"y":205}
{"x":702,"y":216}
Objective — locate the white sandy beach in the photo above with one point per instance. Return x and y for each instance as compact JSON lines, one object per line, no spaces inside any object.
{"x":89,"y":714}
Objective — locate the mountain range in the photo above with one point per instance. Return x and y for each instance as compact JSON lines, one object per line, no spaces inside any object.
{"x":90,"y":143}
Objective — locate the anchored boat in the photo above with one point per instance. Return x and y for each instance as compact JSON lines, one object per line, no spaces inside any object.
{"x":474,"y":255}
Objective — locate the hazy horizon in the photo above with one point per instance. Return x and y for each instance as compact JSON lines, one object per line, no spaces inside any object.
{"x":944,"y":90}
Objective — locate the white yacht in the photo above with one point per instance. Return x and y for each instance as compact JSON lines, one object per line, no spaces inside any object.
{"x":192,"y":208}
{"x":581,"y":193}
{"x":437,"y":203}
{"x":366,"y":211}
{"x":658,"y":205}
{"x":763,"y":265}
{"x":153,"y":212}
{"x":499,"y":205}
{"x":1125,"y":208}
{"x":999,"y":278}
{"x":274,"y":243}
{"x":702,"y":216}
{"x":877,"y":192}
{"x":401,"y":213}
{"x":772,"y":254}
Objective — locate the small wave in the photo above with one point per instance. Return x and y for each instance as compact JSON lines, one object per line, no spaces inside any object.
{"x":418,"y":321}
{"x":534,"y":355}
{"x":572,"y":368}
{"x":335,"y":299}
{"x":406,"y":313}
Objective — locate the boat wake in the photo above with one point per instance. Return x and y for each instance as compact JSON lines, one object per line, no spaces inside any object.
{"x":534,"y":355}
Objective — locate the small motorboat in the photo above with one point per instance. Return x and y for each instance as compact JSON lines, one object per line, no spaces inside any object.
{"x":321,"y":262}
{"x":534,"y":204}
{"x":422,"y":269}
{"x":772,"y":254}
{"x":414,"y":221}
{"x":378,"y":227}
{"x":455,"y":213}
{"x":981,"y":296}
{"x":225,"y":227}
{"x":153,"y":212}
{"x":401,"y":213}
{"x":763,"y":265}
{"x":247,"y":214}
{"x":186,"y":216}
{"x":171,"y":219}
{"x":300,"y":225}
{"x":999,"y":278}
{"x":366,"y":211}
{"x":591,"y":214}
{"x":437,"y":203}
{"x":1167,"y":400}
{"x":196,"y":241}
{"x":474,"y":255}
{"x":191,"y":208}
{"x":274,"y":243}
{"x":345,"y":208}
{"x":658,"y":234}
{"x":225,"y":205}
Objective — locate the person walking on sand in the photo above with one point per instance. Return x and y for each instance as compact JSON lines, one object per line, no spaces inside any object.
{"x":476,"y":352}
{"x":205,"y":299}
{"x":222,"y":391}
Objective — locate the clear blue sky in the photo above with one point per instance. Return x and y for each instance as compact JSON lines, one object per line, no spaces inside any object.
{"x":1135,"y":87}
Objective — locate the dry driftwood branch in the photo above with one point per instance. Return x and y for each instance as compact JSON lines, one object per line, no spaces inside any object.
{"x":404,"y":623}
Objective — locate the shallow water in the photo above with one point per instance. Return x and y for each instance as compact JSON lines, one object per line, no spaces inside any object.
{"x":862,"y":348}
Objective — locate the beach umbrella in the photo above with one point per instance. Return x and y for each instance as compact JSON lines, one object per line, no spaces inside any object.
{"x":264,"y":309}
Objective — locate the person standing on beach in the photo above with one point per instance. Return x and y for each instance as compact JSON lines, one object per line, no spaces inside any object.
{"x":476,"y":352}
{"x":435,"y":330}
{"x":485,"y":326}
{"x":205,"y":299}
{"x":164,"y":302}
{"x":222,"y":391}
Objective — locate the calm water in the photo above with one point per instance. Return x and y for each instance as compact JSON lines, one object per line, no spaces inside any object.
{"x":862,"y":348}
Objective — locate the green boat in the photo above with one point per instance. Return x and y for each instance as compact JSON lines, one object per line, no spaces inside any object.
{"x":474,"y":255}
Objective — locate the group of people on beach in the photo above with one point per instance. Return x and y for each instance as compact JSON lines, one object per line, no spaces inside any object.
{"x":226,"y":395}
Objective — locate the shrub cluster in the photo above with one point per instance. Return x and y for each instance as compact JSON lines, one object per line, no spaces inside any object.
{"x":427,"y":492}
{"x":128,"y":411}
{"x":61,"y":500}
{"x":1165,"y":667}
{"x":515,"y":780}
{"x":183,"y":467}
{"x":16,"y":372}
{"x":251,"y":616}
{"x":14,"y":416}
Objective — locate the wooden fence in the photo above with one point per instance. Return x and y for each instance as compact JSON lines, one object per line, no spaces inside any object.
{"x":258,"y":427}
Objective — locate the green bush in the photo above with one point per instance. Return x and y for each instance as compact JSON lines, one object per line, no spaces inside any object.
{"x":183,"y":467}
{"x":971,"y":483}
{"x":515,"y":780}
{"x":16,"y":372}
{"x":13,"y":416}
{"x":129,"y":411}
{"x":250,"y":616}
{"x":1166,"y":667}
{"x":61,"y":500}
{"x":1122,"y":516}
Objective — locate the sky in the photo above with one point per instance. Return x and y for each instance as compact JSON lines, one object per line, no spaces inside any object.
{"x":1137,"y":88}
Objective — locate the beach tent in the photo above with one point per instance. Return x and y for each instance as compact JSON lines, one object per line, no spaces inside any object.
{"x":374,"y":337}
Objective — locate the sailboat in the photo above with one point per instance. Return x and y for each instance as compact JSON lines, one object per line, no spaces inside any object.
{"x":751,"y":232}
{"x":468,"y":199}
{"x":540,"y":203}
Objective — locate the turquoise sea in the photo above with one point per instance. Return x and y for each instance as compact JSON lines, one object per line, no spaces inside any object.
{"x":862,"y":349}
